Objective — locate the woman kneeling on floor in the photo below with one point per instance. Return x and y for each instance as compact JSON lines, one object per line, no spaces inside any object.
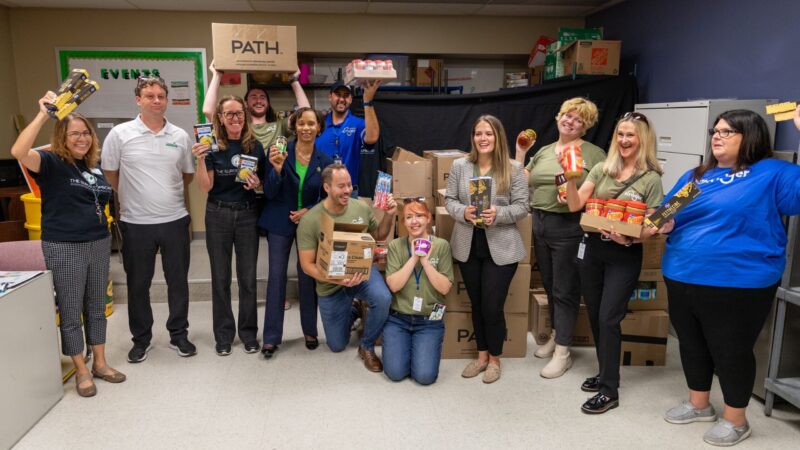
{"x":610,"y":263}
{"x":419,"y":273}
{"x":75,"y":238}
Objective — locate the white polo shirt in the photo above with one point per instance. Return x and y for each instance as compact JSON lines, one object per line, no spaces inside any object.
{"x":151,"y":167}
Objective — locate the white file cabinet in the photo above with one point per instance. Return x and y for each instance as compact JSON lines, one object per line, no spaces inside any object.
{"x":682,"y":131}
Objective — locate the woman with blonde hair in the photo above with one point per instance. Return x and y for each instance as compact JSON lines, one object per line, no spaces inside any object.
{"x":610,"y":263}
{"x":231,"y":221}
{"x":556,"y":230}
{"x":75,"y":238}
{"x":486,"y":243}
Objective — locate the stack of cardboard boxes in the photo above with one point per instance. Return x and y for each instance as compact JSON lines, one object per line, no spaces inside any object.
{"x":645,"y":327}
{"x":585,"y":48}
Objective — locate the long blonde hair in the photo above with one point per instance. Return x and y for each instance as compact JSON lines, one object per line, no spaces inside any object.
{"x":247,"y":138}
{"x":58,"y":143}
{"x":645,"y":159}
{"x":501,"y":163}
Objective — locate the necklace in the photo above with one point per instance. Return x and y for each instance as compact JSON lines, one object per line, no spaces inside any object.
{"x":304,"y":158}
{"x":91,"y":180}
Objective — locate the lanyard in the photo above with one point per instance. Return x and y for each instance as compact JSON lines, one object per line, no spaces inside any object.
{"x":421,"y":269}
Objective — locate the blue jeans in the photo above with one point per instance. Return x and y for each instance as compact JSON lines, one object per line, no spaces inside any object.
{"x":279,"y":248}
{"x":338,"y":314}
{"x":412,"y":345}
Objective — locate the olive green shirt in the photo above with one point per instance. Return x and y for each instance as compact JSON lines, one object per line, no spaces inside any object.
{"x":646,"y":189}
{"x":441,"y":260}
{"x":357,"y":212}
{"x":266,"y":133}
{"x":543,"y":168}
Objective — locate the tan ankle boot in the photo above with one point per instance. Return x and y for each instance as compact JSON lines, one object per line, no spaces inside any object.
{"x":560,"y":363}
{"x":546,"y":350}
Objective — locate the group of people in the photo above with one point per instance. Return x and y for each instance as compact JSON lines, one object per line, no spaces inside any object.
{"x":722,"y":265}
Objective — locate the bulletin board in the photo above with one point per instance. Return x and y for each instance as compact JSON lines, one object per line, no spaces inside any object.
{"x":116,"y":71}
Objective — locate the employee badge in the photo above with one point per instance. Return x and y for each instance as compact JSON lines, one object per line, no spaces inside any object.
{"x":438,"y":312}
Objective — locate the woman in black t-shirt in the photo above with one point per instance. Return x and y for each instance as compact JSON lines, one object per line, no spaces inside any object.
{"x":231,"y":220}
{"x":75,"y":238}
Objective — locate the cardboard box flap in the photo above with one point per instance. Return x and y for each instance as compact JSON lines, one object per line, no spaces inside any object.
{"x":402,"y":155}
{"x":328,"y":223}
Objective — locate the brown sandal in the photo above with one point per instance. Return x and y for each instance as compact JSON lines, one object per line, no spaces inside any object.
{"x":114,"y":377}
{"x":88,"y":391}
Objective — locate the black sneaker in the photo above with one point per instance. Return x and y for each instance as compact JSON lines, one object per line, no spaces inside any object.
{"x":591,"y":384}
{"x":223,"y":349}
{"x":599,"y":404}
{"x":251,"y":347}
{"x":269,"y":351}
{"x":184,"y":347}
{"x":138,"y":353}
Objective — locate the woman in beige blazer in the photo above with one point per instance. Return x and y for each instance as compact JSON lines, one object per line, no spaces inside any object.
{"x":486,"y":242}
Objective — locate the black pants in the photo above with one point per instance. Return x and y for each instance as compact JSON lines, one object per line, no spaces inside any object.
{"x":556,"y":237}
{"x":229,"y":228}
{"x":487,"y":287}
{"x":140,"y":245}
{"x":609,"y":273}
{"x":717,"y":328}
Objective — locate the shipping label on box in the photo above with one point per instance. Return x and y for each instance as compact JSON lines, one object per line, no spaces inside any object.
{"x":644,"y":338}
{"x":254,"y":48}
{"x":592,"y":57}
{"x":442,"y":161}
{"x":411,"y":174}
{"x":459,"y":336}
{"x":344,"y":249}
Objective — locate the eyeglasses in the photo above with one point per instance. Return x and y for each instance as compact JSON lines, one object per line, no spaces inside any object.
{"x":231,"y":114}
{"x":143,"y":80}
{"x":408,"y":200}
{"x":77,"y":134}
{"x":635,"y":116}
{"x":724,"y":133}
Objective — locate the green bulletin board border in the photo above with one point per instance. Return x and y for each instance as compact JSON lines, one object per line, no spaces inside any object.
{"x":196,"y":56}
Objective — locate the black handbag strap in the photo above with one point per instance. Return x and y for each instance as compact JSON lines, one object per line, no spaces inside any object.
{"x":629,"y":184}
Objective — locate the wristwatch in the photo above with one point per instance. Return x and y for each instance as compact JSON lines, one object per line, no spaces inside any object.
{"x":629,"y":242}
{"x":293,"y":78}
{"x":366,"y":104}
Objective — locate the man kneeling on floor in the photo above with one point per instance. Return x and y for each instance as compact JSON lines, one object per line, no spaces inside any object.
{"x":336,"y":296}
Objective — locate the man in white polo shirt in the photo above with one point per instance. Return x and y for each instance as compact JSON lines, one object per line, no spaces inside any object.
{"x":148,"y":161}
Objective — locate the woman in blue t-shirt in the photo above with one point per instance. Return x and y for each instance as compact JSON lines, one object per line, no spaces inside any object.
{"x":75,"y":238}
{"x":723,"y":261}
{"x":231,"y":220}
{"x":292,"y":185}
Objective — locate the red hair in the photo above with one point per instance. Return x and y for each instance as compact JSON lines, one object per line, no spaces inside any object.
{"x":417,"y":208}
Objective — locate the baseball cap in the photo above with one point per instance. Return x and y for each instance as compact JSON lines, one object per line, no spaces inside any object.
{"x":340,"y":84}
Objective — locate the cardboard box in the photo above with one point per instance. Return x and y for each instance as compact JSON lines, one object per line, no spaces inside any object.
{"x":591,"y":57}
{"x":411,"y":174}
{"x":525,"y":228}
{"x":459,"y":337}
{"x":440,"y":197}
{"x":653,"y":251}
{"x":536,"y":277}
{"x":517,"y":299}
{"x":379,"y":213}
{"x":593,"y":224}
{"x":430,"y":71}
{"x":344,"y":249}
{"x":444,"y":223}
{"x":539,"y":51}
{"x":644,"y":338}
{"x":536,"y":75}
{"x":649,"y":296}
{"x":353,"y":75}
{"x":442,"y":161}
{"x":254,"y":48}
{"x":541,"y":328}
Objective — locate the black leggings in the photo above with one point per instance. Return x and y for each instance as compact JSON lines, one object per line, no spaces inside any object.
{"x":609,"y":273}
{"x":717,"y":328}
{"x":487,"y":287}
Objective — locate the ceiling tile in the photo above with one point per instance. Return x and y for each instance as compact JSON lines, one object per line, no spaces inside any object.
{"x":317,"y":7}
{"x":193,"y":5}
{"x":427,"y":8}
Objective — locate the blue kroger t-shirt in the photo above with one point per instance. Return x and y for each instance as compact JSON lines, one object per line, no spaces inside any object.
{"x":344,"y":140}
{"x":731,"y":235}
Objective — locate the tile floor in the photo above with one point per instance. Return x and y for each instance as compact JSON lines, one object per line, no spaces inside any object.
{"x":303,"y":399}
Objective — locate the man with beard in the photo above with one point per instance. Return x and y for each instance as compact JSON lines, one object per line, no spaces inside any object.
{"x":264,"y":122}
{"x":336,"y":296}
{"x":345,"y":134}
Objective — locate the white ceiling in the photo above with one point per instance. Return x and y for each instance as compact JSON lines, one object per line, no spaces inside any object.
{"x":540,"y":8}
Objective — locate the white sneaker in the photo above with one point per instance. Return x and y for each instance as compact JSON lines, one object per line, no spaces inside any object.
{"x":560,"y":363}
{"x":546,"y":350}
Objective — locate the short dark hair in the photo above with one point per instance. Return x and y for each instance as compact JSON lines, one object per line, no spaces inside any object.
{"x":327,"y":172}
{"x":755,"y":144}
{"x":296,"y":115}
{"x":143,"y":82}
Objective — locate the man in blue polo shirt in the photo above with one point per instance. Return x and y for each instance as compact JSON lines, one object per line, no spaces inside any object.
{"x":345,"y":134}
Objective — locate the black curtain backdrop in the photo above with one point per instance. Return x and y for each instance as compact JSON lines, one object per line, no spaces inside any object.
{"x":438,"y":122}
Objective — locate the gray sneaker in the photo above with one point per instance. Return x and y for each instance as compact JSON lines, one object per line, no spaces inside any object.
{"x":725,"y":434}
{"x":687,"y":413}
